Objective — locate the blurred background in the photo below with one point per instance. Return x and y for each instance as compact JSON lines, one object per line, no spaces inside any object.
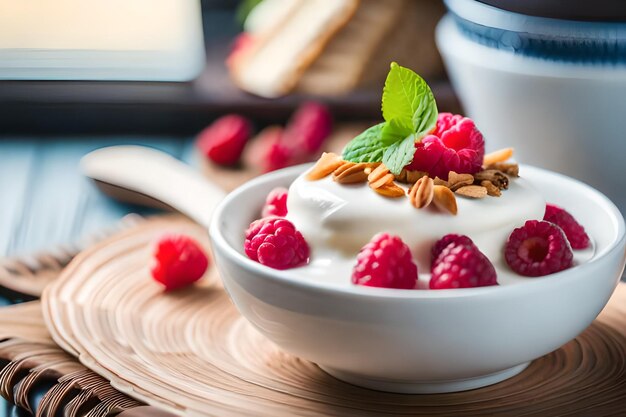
{"x":289,"y":74}
{"x":155,"y":73}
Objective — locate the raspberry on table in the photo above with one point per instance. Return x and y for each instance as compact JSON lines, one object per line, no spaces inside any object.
{"x":308,"y":128}
{"x":276,"y":203}
{"x":277,"y":147}
{"x":455,"y":145}
{"x":385,"y":262}
{"x":179,"y":261}
{"x":462,"y":266}
{"x":538,"y":248}
{"x":224,"y":140}
{"x":448,"y":239}
{"x":275,"y":242}
{"x":574,"y":231}
{"x":240,"y":44}
{"x":267,"y":152}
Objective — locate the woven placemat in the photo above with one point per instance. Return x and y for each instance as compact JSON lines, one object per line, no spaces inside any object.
{"x":190,"y":352}
{"x":31,"y":364}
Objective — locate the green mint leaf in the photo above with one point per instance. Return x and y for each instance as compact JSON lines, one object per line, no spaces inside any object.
{"x":399,"y":154}
{"x":394,"y":131}
{"x":408,"y":99}
{"x":427,"y":119}
{"x":366,"y":147}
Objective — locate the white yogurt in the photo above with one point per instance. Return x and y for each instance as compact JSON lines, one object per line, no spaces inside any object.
{"x":337,"y":220}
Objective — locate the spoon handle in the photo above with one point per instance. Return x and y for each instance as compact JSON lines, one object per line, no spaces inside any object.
{"x":157,"y":175}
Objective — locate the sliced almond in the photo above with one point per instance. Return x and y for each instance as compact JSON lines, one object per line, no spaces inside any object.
{"x":379,"y":172}
{"x":421,"y":193}
{"x":413,"y":176}
{"x":370,"y":167}
{"x":472,"y":191}
{"x":410,"y":177}
{"x":344,"y":166}
{"x":456,"y":181}
{"x":439,"y":181}
{"x":391,"y":190}
{"x":325,"y":166}
{"x":498,"y":156}
{"x":492,"y":190}
{"x":353,"y":174}
{"x":386,"y":179}
{"x":444,"y":199}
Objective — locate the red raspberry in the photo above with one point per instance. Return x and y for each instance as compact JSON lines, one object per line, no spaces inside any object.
{"x":443,"y":243}
{"x":455,"y":145}
{"x":276,"y":203}
{"x":574,"y":231}
{"x":223,"y":141}
{"x":385,"y":262}
{"x":242,"y":43}
{"x":267,"y":152}
{"x":462,"y":266}
{"x":308,"y":128}
{"x":179,"y":261}
{"x":275,"y":242}
{"x":538,"y":248}
{"x":299,"y":142}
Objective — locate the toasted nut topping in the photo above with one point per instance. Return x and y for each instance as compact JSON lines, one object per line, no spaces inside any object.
{"x":391,"y":190}
{"x":370,"y":167}
{"x":410,"y":177}
{"x":492,"y":190}
{"x":421,"y":193}
{"x":439,"y":181}
{"x":344,"y":166}
{"x":378,"y":172}
{"x":444,"y":199}
{"x":384,"y":180}
{"x":456,"y":181}
{"x":497,"y":178}
{"x":509,"y":168}
{"x":325,"y":166}
{"x":497,"y":156}
{"x":350,"y":173}
{"x":472,"y":191}
{"x":381,"y":181}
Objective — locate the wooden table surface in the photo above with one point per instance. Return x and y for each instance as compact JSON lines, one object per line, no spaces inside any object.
{"x":46,"y":200}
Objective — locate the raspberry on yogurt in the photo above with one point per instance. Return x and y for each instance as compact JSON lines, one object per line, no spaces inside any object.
{"x":449,"y":239}
{"x":462,"y":265}
{"x":385,"y":262}
{"x":455,"y":145}
{"x":276,"y":203}
{"x":573,"y":230}
{"x":538,"y":248}
{"x":275,"y":242}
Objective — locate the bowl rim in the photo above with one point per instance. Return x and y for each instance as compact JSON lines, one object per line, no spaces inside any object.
{"x":290,"y":276}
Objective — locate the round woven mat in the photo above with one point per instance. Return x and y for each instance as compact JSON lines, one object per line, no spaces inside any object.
{"x":191,"y":352}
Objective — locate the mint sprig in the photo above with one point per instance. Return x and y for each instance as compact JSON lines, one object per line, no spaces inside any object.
{"x":410,"y":113}
{"x":369,"y":146}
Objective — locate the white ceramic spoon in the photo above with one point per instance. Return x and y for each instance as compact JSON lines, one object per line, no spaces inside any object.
{"x":147,"y":176}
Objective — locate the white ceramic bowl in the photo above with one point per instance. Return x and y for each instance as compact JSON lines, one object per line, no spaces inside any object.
{"x":572,"y":111}
{"x":421,"y":341}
